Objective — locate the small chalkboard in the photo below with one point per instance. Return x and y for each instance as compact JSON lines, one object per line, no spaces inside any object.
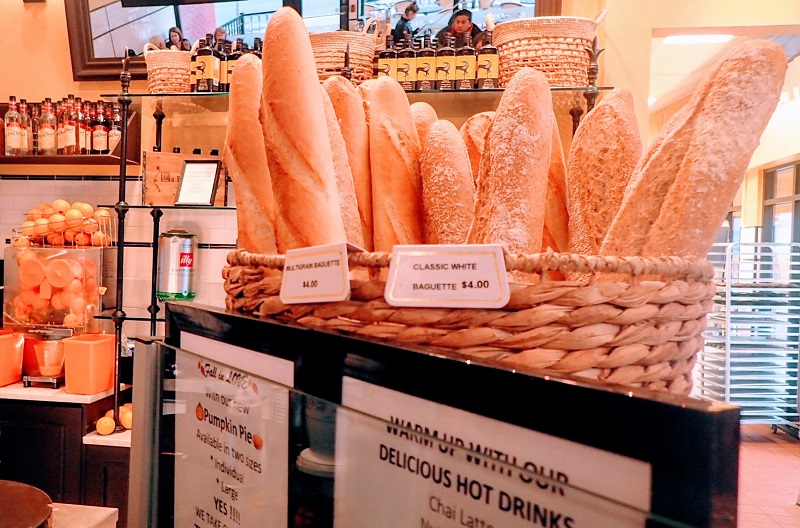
{"x":199,"y":181}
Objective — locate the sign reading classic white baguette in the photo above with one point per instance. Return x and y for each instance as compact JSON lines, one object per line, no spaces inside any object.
{"x":315,"y":274}
{"x":427,"y":465}
{"x":448,"y":276}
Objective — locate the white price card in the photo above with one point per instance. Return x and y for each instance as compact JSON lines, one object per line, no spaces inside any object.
{"x":448,"y":276}
{"x":316,"y":274}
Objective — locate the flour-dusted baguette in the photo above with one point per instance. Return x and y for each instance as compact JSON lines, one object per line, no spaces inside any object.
{"x":473,"y":131}
{"x":556,"y":216}
{"x":735,"y":113}
{"x":364,"y":90}
{"x":394,"y":160}
{"x":424,"y":116}
{"x":604,"y":152}
{"x":683,"y":185}
{"x":512,"y":179}
{"x":350,"y":113}
{"x":296,"y":139}
{"x":344,"y":176}
{"x":447,"y":188}
{"x":246,"y":160}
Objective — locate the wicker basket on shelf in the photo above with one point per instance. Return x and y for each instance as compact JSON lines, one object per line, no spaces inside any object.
{"x":631,"y":321}
{"x":329,"y":49}
{"x":168,"y":71}
{"x":556,"y":46}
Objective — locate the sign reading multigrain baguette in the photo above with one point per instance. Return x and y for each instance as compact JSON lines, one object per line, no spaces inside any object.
{"x":296,"y":139}
{"x":350,"y":112}
{"x":246,"y":160}
{"x":683,"y":186}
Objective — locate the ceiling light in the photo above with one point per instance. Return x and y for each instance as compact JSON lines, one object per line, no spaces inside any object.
{"x":697,"y":39}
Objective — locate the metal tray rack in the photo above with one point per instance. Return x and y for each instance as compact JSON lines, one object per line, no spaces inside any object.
{"x":751,"y":344}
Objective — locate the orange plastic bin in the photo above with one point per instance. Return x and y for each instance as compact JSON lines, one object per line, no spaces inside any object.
{"x":89,"y":363}
{"x":10,"y":357}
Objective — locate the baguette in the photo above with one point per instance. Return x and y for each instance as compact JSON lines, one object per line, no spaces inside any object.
{"x":556,"y":216}
{"x":350,"y":113}
{"x":296,"y":139}
{"x":697,"y":154}
{"x":394,"y":163}
{"x":512,"y":179}
{"x":424,"y":116}
{"x":246,"y":160}
{"x":364,"y":90}
{"x":473,"y":131}
{"x":447,"y":188}
{"x":344,"y":176}
{"x":603,"y":155}
{"x":740,"y":101}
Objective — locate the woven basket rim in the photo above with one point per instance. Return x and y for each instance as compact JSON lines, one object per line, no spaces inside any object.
{"x":695,"y":269}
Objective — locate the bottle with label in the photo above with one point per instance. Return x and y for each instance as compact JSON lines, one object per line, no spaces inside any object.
{"x":193,"y":68}
{"x":12,"y":128}
{"x":80,"y":137}
{"x":100,"y":131}
{"x":71,"y":128}
{"x":465,"y":65}
{"x":60,"y":127}
{"x":488,"y":68}
{"x":207,"y":68}
{"x":426,"y":66}
{"x":47,"y":129}
{"x":114,"y":128}
{"x":25,"y":134}
{"x":89,"y":114}
{"x":36,"y":114}
{"x":407,"y":66}
{"x":446,"y":65}
{"x":232,"y":58}
{"x":387,"y":60}
{"x":257,"y":45}
{"x":224,"y":80}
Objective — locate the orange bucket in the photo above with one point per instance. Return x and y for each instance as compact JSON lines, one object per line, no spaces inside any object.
{"x":89,"y":363}
{"x":10,"y":357}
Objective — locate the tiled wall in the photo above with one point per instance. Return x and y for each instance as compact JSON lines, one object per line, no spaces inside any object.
{"x":19,"y":194}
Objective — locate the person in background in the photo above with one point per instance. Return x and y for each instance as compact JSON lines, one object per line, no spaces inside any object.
{"x":220,"y":38}
{"x":176,"y":40}
{"x":403,"y":30}
{"x":460,"y":26}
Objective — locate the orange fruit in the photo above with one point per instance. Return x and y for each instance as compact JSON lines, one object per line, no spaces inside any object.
{"x":59,"y":273}
{"x":27,"y":228}
{"x":45,"y":290}
{"x":103,"y":217}
{"x":33,"y":215}
{"x":85,"y":208}
{"x":82,"y":239}
{"x":60,"y":206}
{"x":20,"y":241}
{"x":57,"y":222}
{"x":100,"y":239}
{"x":55,"y":239}
{"x":40,"y":304}
{"x":74,"y":286}
{"x":106,"y":425}
{"x":74,"y":218}
{"x":45,"y":208}
{"x":41,"y":226}
{"x":90,"y":225}
{"x":31,"y":272}
{"x":57,"y":303}
{"x":71,"y":320}
{"x":110,"y":413}
{"x":128,"y":406}
{"x":126,"y":417}
{"x":77,"y":306}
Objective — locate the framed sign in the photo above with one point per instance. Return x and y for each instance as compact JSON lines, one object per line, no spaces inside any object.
{"x":199,"y":180}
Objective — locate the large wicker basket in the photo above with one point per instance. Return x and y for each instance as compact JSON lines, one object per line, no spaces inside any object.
{"x":633,"y":321}
{"x":329,"y":49}
{"x":168,"y":71}
{"x":556,"y":46}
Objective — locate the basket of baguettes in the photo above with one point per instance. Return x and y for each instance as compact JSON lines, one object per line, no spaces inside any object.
{"x":604,"y":249}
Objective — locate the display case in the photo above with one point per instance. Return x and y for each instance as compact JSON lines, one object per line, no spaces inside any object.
{"x":257,"y":423}
{"x":751,"y":345}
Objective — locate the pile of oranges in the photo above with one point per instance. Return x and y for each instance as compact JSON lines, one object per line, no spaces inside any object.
{"x":66,"y":224}
{"x":106,"y":424}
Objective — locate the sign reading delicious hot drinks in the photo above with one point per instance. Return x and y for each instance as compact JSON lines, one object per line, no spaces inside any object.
{"x":231,"y":438}
{"x":433,"y":466}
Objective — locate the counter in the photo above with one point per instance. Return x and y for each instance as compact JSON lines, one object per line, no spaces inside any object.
{"x":122,"y":439}
{"x":77,"y":516}
{"x":16,"y":391}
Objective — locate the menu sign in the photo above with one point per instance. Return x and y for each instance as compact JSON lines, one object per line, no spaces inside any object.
{"x":406,"y":472}
{"x":231,"y":442}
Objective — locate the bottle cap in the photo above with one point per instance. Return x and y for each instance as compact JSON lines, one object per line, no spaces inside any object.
{"x":215,"y":152}
{"x":196,"y":151}
{"x":176,"y":150}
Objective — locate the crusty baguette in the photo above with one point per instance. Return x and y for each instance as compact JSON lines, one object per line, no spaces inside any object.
{"x":246,"y":160}
{"x":744,"y":94}
{"x":556,"y":216}
{"x":684,"y":184}
{"x":350,"y":113}
{"x":512,"y":179}
{"x":473,"y":131}
{"x":296,"y":139}
{"x":364,"y":90}
{"x":447,"y":188}
{"x":604,"y":152}
{"x":344,"y":176}
{"x":394,"y":161}
{"x":424,"y":116}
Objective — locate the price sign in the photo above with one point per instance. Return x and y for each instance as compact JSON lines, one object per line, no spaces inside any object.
{"x":316,"y":274}
{"x":448,"y":276}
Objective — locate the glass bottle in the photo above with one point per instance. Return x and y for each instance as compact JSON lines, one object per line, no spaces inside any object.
{"x":47,"y":129}
{"x":465,"y":65}
{"x":36,"y":115}
{"x":89,"y":114}
{"x":71,"y":128}
{"x":426,"y":66}
{"x":407,"y":66}
{"x":25,"y":133}
{"x":114,"y":128}
{"x":207,"y":68}
{"x":257,"y":45}
{"x":193,"y":68}
{"x":387,"y":60}
{"x":446,"y":65}
{"x":60,"y":127}
{"x":232,"y":58}
{"x":224,"y":81}
{"x":12,"y":128}
{"x":100,"y":131}
{"x":488,"y":66}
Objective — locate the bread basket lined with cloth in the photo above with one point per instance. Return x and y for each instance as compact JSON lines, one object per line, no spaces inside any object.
{"x":168,"y":71}
{"x":641,"y":329}
{"x":329,"y":52}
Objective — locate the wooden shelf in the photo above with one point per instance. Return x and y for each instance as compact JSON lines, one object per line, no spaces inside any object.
{"x":65,"y":159}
